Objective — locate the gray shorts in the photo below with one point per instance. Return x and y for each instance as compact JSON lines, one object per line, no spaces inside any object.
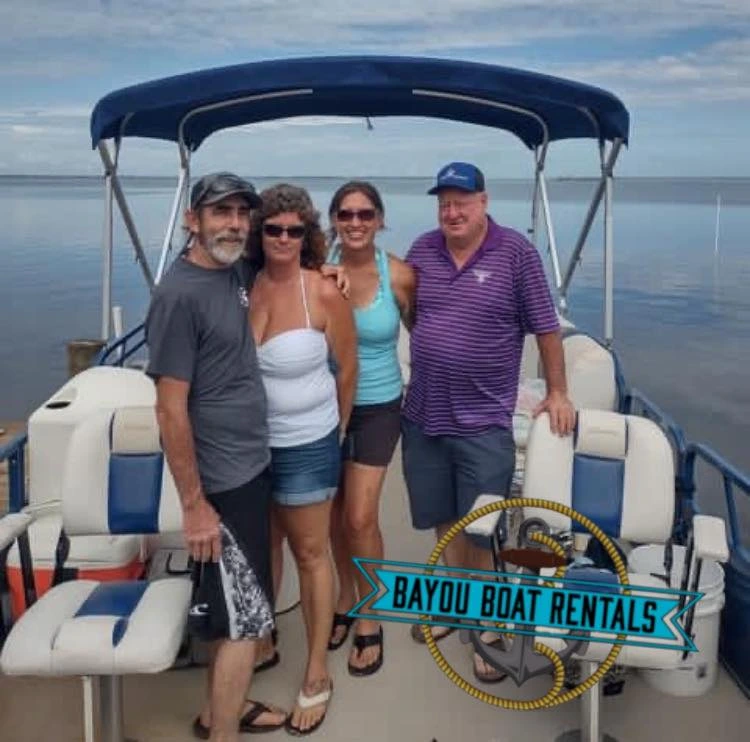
{"x":445,"y":473}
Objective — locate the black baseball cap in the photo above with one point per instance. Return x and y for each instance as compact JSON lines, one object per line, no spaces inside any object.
{"x":216,"y":186}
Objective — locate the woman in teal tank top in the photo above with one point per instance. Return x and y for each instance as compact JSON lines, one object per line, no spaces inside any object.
{"x":382,"y":295}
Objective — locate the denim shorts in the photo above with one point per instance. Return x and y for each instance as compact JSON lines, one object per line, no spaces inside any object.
{"x":446,"y":473}
{"x":306,"y":474}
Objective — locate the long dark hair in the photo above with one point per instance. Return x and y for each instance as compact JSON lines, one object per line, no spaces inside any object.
{"x":284,"y":198}
{"x":368,"y":190}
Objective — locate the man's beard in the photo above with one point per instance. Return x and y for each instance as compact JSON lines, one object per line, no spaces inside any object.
{"x":223,"y":250}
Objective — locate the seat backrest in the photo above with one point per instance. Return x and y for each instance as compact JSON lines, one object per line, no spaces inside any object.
{"x":616,"y":469}
{"x":590,"y":369}
{"x":115,"y":477}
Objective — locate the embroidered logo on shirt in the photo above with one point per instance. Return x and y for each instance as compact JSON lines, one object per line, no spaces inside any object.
{"x":242,"y":291}
{"x":481,"y":275}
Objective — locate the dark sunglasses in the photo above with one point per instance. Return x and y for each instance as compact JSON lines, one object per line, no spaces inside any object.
{"x":295,"y":232}
{"x":347,"y":215}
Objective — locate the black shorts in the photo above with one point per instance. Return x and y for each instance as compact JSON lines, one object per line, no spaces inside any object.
{"x":372,"y":433}
{"x":233,"y":598}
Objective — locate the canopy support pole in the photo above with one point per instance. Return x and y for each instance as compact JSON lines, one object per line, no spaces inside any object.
{"x":110,"y":168}
{"x":534,"y":229}
{"x":178,"y":201}
{"x":609,"y":259}
{"x":551,"y":240}
{"x":607,"y":172}
{"x":107,"y":249}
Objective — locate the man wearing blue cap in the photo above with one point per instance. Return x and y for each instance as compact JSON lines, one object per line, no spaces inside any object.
{"x":481,"y":289}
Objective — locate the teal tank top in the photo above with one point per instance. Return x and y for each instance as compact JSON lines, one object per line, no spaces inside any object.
{"x":378,"y":326}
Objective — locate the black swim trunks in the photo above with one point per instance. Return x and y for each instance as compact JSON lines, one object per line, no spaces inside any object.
{"x":233,"y":598}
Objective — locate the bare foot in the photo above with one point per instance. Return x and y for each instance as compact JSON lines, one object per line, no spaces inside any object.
{"x":483,"y":671}
{"x":438,"y":632}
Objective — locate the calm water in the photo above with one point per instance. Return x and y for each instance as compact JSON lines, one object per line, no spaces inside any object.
{"x":682,"y":321}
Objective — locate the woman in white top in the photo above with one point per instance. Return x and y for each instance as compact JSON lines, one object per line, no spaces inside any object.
{"x":299,"y":319}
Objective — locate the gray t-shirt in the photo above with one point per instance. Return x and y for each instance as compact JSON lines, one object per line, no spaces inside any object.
{"x":197,"y":330}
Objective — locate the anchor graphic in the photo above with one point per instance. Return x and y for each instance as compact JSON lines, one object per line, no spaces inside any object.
{"x":519,"y":660}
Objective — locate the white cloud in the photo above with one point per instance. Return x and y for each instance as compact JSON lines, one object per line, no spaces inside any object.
{"x":73,"y":40}
{"x":390,"y":25}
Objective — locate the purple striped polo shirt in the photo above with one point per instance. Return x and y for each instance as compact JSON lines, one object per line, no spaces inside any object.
{"x":467,"y":342}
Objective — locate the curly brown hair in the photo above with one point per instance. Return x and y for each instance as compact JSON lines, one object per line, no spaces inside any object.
{"x":284,"y":198}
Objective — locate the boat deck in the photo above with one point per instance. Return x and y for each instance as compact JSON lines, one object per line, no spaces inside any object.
{"x":409,"y":699}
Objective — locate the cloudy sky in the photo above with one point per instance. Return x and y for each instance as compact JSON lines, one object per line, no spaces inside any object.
{"x":681,"y":66}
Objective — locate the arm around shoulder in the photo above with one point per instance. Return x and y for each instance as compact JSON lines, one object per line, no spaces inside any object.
{"x":404,"y":286}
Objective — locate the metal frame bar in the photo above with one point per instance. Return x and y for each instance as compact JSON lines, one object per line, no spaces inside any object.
{"x":590,"y":707}
{"x":490,"y":104}
{"x":607,"y":163}
{"x":235,"y":102}
{"x":15,"y":454}
{"x":110,"y":170}
{"x":732,"y":477}
{"x":541,"y":192}
{"x":179,"y":199}
{"x":111,"y":708}
{"x":533,"y":229}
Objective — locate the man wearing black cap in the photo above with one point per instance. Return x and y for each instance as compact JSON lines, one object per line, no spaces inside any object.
{"x":211,"y":408}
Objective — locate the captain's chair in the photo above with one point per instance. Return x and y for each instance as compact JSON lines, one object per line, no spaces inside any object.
{"x":115,"y":481}
{"x":618,"y":471}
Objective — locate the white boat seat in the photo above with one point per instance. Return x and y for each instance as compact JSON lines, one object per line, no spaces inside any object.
{"x":115,"y":481}
{"x":618,"y":471}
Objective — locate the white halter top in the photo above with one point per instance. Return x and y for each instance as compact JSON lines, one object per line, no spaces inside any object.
{"x":301,"y":390}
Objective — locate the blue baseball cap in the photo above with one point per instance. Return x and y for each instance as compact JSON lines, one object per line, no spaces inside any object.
{"x":461,"y":175}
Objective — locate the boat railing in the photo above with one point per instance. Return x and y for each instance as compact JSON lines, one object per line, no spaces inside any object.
{"x":14,"y":452}
{"x":732,"y":479}
{"x":122,"y":348}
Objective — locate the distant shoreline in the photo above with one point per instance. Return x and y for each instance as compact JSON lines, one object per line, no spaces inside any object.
{"x":6,"y":177}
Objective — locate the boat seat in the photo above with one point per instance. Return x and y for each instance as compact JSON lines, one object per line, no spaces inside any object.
{"x":115,"y":481}
{"x":591,"y":372}
{"x":618,"y":471}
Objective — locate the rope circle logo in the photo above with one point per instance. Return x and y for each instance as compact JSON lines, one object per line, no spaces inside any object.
{"x":572,"y":611}
{"x":553,"y":697}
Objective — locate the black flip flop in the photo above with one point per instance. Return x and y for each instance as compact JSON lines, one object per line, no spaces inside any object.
{"x":247,"y":722}
{"x":340,"y":619}
{"x":360,"y":643}
{"x":272,"y":661}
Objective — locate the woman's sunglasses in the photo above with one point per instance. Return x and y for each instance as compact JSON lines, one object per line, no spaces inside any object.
{"x":295,"y":232}
{"x":347,"y":215}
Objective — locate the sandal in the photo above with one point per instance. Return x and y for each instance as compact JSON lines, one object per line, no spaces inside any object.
{"x":248,"y":721}
{"x":418,"y":636}
{"x":272,"y":661}
{"x":340,"y":619}
{"x":307,"y":702}
{"x":360,"y":643}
